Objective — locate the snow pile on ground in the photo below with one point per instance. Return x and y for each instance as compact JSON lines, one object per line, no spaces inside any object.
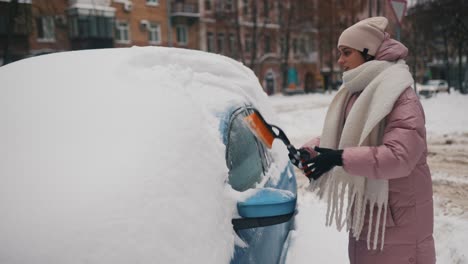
{"x":446,"y":113}
{"x":100,"y":157}
{"x":450,"y":235}
{"x":311,"y":241}
{"x":302,"y":117}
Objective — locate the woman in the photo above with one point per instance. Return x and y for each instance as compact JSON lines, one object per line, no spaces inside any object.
{"x":371,"y":164}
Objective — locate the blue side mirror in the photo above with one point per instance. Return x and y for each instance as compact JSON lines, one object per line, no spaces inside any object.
{"x":268,"y":206}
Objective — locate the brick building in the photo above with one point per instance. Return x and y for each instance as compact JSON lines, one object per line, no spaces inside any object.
{"x":257,"y":38}
{"x":45,"y":26}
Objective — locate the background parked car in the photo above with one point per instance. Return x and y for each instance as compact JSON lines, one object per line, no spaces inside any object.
{"x":138,"y":155}
{"x":426,"y":90}
{"x":439,"y":85}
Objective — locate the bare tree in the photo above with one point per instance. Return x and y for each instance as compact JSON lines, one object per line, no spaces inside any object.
{"x":237,"y":26}
{"x":333,"y":18}
{"x":286,"y":14}
{"x":245,"y":19}
{"x":438,"y":29}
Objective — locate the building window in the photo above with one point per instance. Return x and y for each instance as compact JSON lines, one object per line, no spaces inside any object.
{"x":182,"y":34}
{"x":340,"y":3}
{"x":92,"y":26}
{"x":245,"y":6}
{"x":154,"y":34}
{"x":294,"y":45}
{"x":266,"y":8}
{"x":122,"y":32}
{"x":248,"y":43}
{"x":210,"y":42}
{"x":280,"y":9}
{"x":309,"y":44}
{"x":228,"y":5}
{"x":208,"y":5}
{"x":267,"y":44}
{"x":312,"y":44}
{"x":73,"y":27}
{"x":302,"y":46}
{"x":45,"y":29}
{"x":231,"y":43}
{"x":152,"y":2}
{"x":220,"y":43}
{"x":3,"y":29}
{"x":282,"y":46}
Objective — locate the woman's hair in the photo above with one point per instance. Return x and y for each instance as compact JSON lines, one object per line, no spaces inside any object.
{"x":366,"y":56}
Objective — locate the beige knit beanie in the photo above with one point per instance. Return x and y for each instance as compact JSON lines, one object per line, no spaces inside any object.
{"x":365,"y":34}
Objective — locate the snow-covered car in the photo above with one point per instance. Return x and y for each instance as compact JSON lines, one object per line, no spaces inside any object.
{"x":438,"y":85}
{"x":139,"y":155}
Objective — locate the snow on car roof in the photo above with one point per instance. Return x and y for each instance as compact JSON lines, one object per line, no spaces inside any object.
{"x":114,"y":156}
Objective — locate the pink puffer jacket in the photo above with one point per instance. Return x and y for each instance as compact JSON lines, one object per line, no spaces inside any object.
{"x":401,"y":160}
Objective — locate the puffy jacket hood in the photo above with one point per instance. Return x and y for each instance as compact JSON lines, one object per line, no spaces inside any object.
{"x":391,"y":50}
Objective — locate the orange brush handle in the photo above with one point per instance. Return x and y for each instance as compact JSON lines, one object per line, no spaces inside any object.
{"x":260,"y":128}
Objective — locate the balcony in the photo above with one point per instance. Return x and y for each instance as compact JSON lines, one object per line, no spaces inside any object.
{"x":90,"y":8}
{"x":184,"y":13}
{"x":89,"y":2}
{"x":185,"y":10}
{"x":22,"y":18}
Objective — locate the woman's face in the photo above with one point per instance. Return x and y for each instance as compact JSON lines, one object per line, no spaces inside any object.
{"x":349,"y":58}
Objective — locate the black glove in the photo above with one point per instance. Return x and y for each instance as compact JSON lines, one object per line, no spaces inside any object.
{"x":298,"y":157}
{"x":322,"y":163}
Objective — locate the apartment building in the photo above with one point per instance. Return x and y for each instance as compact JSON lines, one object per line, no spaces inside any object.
{"x":46,"y":26}
{"x":184,"y":24}
{"x":156,"y":22}
{"x":284,"y":56}
{"x":140,"y":23}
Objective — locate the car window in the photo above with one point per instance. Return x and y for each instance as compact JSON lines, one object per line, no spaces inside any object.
{"x":245,"y":156}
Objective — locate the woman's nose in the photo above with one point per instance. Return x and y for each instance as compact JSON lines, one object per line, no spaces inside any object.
{"x":340,"y":60}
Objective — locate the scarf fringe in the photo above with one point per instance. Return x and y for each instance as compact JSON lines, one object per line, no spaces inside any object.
{"x":374,"y":205}
{"x":356,"y":206}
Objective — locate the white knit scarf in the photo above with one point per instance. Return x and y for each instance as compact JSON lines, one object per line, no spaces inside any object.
{"x":381,"y":83}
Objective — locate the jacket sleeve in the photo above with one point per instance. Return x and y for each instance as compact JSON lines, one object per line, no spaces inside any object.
{"x":403,"y":144}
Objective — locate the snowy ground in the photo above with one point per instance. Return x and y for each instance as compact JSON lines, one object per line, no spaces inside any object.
{"x":302,"y":116}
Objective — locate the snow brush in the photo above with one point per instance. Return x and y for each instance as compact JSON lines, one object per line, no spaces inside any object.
{"x":265,"y":133}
